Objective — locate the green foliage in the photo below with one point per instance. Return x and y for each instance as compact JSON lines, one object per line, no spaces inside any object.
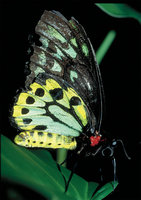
{"x":37,"y":170}
{"x":120,"y":10}
{"x":105,"y":190}
{"x":105,"y":45}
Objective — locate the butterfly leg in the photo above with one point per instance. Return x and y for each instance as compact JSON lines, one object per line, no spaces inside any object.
{"x":115,"y":173}
{"x":71,"y":174}
{"x":95,"y":153}
{"x":70,"y":177}
{"x":82,"y":148}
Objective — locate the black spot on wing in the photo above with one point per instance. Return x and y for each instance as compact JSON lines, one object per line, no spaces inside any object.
{"x":40,"y":133}
{"x":27,"y":120}
{"x":75,"y":101}
{"x":49,"y":135}
{"x":40,"y":92}
{"x":24,"y":111}
{"x":40,"y":127}
{"x":58,"y":136}
{"x":31,"y":133}
{"x":57,"y":93}
{"x":30,"y":100}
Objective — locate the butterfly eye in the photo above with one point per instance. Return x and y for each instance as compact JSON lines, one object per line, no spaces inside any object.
{"x":92,"y":130}
{"x":114,"y":143}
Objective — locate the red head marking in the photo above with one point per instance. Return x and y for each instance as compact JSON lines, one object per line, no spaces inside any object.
{"x":95,"y":140}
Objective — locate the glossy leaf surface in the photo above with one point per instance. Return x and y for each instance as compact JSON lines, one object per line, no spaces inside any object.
{"x":37,"y":170}
{"x":120,"y":10}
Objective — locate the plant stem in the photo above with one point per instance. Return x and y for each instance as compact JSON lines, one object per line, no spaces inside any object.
{"x":61,"y":156}
{"x":105,"y":45}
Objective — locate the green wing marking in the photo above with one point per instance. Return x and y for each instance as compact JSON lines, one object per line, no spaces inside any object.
{"x":64,"y":117}
{"x":62,"y":41}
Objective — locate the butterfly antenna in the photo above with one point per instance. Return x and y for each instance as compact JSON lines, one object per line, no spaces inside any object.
{"x":122,"y":144}
{"x":101,"y":95}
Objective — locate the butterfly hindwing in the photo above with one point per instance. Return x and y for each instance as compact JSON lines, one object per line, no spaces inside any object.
{"x":45,"y":140}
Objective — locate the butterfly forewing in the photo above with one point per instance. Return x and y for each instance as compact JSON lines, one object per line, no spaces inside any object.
{"x":66,"y":52}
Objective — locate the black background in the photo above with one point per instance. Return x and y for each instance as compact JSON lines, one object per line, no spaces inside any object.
{"x":120,"y":70}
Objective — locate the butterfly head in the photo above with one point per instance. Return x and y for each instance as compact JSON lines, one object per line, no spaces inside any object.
{"x":95,"y":140}
{"x":94,"y":136}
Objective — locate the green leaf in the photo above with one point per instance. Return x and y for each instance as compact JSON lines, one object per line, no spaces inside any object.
{"x":105,"y":190}
{"x":120,"y":10}
{"x":105,"y":45}
{"x":37,"y":170}
{"x":92,"y":187}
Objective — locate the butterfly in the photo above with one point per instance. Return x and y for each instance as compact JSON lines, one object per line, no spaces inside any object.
{"x":62,"y":103}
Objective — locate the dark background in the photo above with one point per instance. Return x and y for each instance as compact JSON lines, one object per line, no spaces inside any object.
{"x":120,"y":70}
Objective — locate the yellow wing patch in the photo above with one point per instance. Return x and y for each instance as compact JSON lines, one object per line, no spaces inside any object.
{"x":19,"y":111}
{"x":51,"y":84}
{"x":31,"y":100}
{"x":80,"y":110}
{"x":41,"y":91}
{"x":45,"y":140}
{"x":81,"y":113}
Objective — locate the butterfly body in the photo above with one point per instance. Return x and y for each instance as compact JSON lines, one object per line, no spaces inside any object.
{"x":62,"y":99}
